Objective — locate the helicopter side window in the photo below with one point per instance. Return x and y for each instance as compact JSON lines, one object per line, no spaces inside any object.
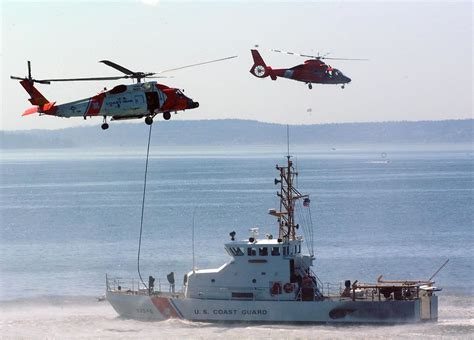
{"x":118,"y":89}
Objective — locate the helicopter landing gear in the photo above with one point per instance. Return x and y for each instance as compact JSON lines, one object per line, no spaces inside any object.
{"x":343,"y":86}
{"x":166,"y":115}
{"x":149,"y":120}
{"x":104,"y":125}
{"x":310,"y":86}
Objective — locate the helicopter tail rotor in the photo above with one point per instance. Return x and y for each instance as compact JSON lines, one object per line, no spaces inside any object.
{"x":259,"y":68}
{"x":29,"y":78}
{"x":36,"y":98}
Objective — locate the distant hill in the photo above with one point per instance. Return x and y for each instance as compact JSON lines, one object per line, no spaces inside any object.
{"x":243,"y":132}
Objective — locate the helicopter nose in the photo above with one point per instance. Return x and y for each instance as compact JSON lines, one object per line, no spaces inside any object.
{"x":192,"y":104}
{"x":347,"y":79}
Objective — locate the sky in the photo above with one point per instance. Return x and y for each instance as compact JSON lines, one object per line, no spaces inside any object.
{"x":419,"y":68}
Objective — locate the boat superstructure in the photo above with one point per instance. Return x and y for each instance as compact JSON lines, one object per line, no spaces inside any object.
{"x":270,"y":279}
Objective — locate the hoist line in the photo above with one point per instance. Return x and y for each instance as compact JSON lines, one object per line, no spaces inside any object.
{"x":143,"y":208}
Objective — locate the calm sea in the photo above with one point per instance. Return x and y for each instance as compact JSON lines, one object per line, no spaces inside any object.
{"x":69,"y":217}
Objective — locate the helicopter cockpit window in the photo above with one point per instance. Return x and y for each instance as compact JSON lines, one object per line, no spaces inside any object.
{"x":147,"y":86}
{"x":179,"y":93}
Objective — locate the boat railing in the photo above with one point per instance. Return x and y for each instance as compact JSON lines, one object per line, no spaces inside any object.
{"x":136,"y":287}
{"x":329,"y":289}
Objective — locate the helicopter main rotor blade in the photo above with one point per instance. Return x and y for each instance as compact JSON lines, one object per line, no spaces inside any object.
{"x":197,"y":64}
{"x":298,"y":54}
{"x":357,"y":59}
{"x":117,"y":67}
{"x":81,"y":79}
{"x":318,"y":57}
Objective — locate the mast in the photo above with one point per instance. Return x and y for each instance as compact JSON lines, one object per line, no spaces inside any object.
{"x":288,"y":195}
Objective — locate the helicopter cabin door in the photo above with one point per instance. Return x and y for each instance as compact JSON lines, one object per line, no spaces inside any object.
{"x":152,"y":101}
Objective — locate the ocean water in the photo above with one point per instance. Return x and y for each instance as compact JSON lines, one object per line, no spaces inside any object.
{"x":68,"y":218}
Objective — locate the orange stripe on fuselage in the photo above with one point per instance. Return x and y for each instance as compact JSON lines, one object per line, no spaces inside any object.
{"x":95,"y":104}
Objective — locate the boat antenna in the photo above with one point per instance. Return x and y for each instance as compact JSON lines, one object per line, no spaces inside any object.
{"x":143,"y":208}
{"x":194,"y":266}
{"x":436,"y":272}
{"x":288,"y":140}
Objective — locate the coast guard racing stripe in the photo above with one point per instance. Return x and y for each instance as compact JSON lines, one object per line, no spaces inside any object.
{"x":166,"y":307}
{"x":95,"y":104}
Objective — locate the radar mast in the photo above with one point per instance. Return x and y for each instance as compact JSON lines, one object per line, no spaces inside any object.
{"x":288,"y":195}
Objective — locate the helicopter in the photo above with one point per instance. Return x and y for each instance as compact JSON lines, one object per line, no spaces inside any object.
{"x":133,"y":101}
{"x":313,"y":71}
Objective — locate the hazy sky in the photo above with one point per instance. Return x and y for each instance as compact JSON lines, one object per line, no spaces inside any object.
{"x":420,"y":55}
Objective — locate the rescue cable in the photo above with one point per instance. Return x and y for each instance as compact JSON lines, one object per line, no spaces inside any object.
{"x":143,"y":208}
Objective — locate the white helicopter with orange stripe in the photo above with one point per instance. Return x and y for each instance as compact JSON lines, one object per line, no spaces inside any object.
{"x":131,"y":101}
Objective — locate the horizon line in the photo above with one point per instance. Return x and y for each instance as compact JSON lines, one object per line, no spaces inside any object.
{"x":249,"y":120}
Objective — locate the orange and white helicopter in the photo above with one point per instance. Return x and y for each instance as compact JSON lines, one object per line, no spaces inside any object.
{"x":131,"y":101}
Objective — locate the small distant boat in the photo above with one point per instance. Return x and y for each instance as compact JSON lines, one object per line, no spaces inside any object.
{"x":270,"y":279}
{"x":383,"y":161}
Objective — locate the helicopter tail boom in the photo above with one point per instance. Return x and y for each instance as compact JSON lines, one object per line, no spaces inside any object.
{"x":259,"y":68}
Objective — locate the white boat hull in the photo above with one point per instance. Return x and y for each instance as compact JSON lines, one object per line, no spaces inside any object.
{"x":158,"y":308}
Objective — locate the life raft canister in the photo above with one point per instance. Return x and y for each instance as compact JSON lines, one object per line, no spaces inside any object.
{"x":276,"y":288}
{"x":288,"y":287}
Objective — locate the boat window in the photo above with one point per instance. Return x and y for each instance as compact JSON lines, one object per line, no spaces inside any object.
{"x":246,"y":296}
{"x":285,"y":251}
{"x":251,"y":251}
{"x":299,"y":248}
{"x":276,"y":251}
{"x":236,"y":251}
{"x":263,"y":251}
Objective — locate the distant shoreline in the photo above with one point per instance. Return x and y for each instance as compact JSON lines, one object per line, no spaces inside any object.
{"x":233,"y":132}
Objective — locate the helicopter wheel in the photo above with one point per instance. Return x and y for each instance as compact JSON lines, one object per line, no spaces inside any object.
{"x":343,"y":86}
{"x":310,"y":86}
{"x":149,"y":120}
{"x":105,"y":126}
{"x":166,"y":115}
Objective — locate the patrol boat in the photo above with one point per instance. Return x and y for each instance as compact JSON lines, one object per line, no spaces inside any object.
{"x":269,"y":279}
